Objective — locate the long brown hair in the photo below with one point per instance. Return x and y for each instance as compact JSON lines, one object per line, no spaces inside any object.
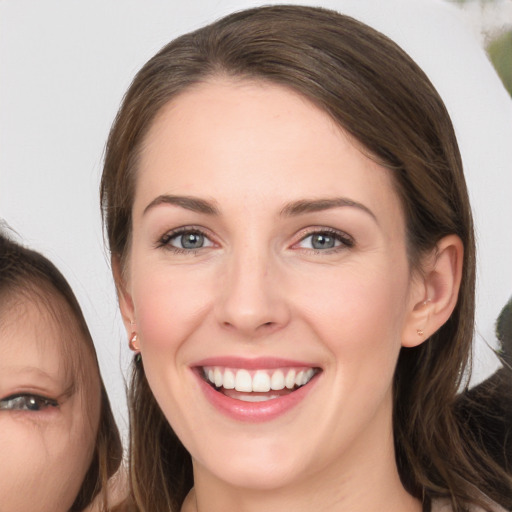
{"x":28,"y":274}
{"x":374,"y":91}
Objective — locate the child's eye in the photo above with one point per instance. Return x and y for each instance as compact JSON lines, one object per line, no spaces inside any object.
{"x":186,"y":240}
{"x":325,"y":240}
{"x":26,"y":402}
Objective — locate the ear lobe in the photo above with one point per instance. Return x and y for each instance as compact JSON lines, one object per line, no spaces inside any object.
{"x":125,"y":300}
{"x":438,"y":289}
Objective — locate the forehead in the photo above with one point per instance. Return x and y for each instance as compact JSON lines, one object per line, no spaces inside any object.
{"x":226,"y":121}
{"x":39,"y":335}
{"x":257,"y":142}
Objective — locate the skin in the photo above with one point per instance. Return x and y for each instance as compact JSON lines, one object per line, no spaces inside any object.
{"x":258,"y":288}
{"x":45,"y":452}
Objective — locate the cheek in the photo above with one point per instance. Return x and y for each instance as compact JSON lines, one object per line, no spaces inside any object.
{"x":357,"y":314}
{"x":40,"y":469}
{"x":169,"y":305}
{"x":23,"y":461}
{"x":358,"y":310}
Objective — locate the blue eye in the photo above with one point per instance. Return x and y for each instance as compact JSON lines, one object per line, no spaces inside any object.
{"x":186,"y":240}
{"x":26,"y":403}
{"x":325,"y":240}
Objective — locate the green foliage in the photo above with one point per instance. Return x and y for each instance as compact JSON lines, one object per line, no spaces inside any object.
{"x":500,"y":53}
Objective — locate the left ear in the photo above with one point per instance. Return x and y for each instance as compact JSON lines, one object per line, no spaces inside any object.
{"x":435,"y":291}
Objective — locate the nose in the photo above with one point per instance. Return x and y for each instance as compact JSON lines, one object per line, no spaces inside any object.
{"x":252,"y":299}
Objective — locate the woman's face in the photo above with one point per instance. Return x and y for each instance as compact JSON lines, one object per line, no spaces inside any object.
{"x":47,"y":431}
{"x":267,"y":252}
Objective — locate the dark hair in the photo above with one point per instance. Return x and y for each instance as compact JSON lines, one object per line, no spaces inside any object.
{"x":373,"y":90}
{"x":486,"y":409}
{"x":27,"y":274}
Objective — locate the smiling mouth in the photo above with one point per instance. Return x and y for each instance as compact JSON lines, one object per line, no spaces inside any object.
{"x":257,"y":385}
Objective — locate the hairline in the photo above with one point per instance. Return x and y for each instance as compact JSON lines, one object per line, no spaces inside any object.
{"x":217,"y":74}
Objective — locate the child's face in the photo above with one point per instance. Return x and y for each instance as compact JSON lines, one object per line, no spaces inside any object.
{"x":47,"y":425}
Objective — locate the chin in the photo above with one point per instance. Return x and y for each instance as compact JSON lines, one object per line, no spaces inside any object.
{"x":257,"y":464}
{"x":258,"y":477}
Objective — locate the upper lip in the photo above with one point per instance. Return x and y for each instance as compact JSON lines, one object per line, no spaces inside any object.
{"x":252,"y":363}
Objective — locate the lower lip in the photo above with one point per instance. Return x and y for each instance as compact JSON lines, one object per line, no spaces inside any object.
{"x":254,"y":412}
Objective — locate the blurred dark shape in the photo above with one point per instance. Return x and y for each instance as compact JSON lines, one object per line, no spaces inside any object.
{"x":485,"y":411}
{"x":504,"y":329}
{"x":500,"y":53}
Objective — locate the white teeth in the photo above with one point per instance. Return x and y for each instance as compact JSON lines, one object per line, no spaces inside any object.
{"x":243,"y":381}
{"x":229,"y":380}
{"x":261,"y":381}
{"x":290,"y":379}
{"x":256,"y":398}
{"x":217,"y":375}
{"x":277,"y":381}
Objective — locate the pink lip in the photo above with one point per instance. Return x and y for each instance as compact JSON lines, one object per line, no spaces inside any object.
{"x":268,"y":363}
{"x":253,"y":412}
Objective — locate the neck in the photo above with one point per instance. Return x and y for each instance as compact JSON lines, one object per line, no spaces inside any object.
{"x":307,"y":499}
{"x":360,"y":481}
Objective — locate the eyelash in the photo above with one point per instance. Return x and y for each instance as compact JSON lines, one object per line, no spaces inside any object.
{"x":165,"y":241}
{"x":12,"y":402}
{"x":345,"y":240}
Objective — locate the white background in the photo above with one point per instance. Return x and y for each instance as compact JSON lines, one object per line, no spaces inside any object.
{"x":65,"y":64}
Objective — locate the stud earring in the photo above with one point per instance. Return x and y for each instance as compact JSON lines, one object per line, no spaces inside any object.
{"x":420,"y":332}
{"x":133,"y":343}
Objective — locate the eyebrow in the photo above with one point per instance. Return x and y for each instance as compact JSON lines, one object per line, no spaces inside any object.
{"x":295,"y":208}
{"x":317,"y":205}
{"x":61,"y":386}
{"x":32,"y":372}
{"x":189,"y":203}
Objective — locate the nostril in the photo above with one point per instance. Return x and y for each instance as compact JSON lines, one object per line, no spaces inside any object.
{"x":265,"y":327}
